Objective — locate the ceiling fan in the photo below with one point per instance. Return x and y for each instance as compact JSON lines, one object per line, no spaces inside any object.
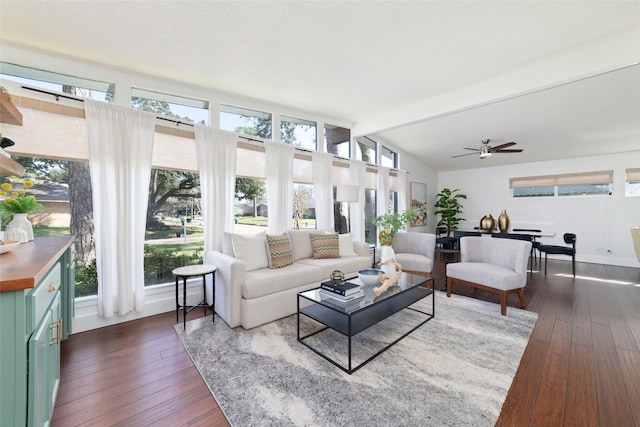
{"x":486,"y":150}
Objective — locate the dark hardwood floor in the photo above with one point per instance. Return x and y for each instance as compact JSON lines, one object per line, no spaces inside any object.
{"x":580,"y":368}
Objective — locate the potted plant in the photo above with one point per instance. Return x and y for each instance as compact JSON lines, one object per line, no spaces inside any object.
{"x":17,"y":204}
{"x":391,"y":223}
{"x":448,"y":207}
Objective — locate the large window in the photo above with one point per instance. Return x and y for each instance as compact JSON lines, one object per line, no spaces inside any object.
{"x":174,"y":232}
{"x":298,"y":132}
{"x":570,"y":184}
{"x":171,"y":106}
{"x":251,"y":213}
{"x":304,"y":211}
{"x":245,"y":121}
{"x":78,"y":86}
{"x":338,"y":141}
{"x":367,"y":150}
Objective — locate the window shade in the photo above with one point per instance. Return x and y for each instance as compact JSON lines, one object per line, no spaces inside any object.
{"x":632,"y":175}
{"x":597,"y":177}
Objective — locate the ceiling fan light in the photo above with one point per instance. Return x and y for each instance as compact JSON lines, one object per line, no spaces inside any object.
{"x":484,"y":152}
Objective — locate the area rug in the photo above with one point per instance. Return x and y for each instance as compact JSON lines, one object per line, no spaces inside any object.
{"x":455,"y":370}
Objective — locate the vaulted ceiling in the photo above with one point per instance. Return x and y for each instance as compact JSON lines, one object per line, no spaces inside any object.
{"x":366,"y":62}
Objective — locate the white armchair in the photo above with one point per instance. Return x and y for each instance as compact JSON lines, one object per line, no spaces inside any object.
{"x":414,"y":251}
{"x":496,"y":265}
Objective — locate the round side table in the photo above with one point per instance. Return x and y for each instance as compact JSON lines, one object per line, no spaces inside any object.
{"x":190,"y":271}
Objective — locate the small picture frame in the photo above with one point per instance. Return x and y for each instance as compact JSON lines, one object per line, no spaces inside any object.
{"x":419,"y":203}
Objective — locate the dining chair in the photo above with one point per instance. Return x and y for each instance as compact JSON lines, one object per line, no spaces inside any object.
{"x":570,"y":239}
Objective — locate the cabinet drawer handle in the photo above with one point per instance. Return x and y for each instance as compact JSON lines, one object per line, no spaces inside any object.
{"x":52,"y":287}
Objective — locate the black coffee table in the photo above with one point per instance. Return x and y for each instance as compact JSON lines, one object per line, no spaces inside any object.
{"x":354,"y":318}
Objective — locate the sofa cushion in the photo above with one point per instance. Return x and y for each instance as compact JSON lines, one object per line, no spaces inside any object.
{"x":348,"y":265}
{"x":279,"y":250}
{"x":251,"y":249}
{"x":346,"y":245}
{"x":492,"y":275}
{"x":301,"y":244}
{"x":415,"y":262}
{"x":325,"y":245}
{"x":267,"y":281}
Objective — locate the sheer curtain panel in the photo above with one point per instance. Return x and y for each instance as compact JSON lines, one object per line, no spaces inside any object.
{"x":323,"y":190}
{"x":402,"y":191}
{"x":279,"y":171}
{"x":217,"y":153}
{"x":382,"y":201}
{"x":120,"y":150}
{"x":357,"y":176}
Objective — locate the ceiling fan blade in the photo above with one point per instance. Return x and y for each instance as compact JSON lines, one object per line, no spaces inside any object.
{"x":472,"y":149}
{"x":500,"y":147}
{"x":462,"y":155}
{"x":515,"y":150}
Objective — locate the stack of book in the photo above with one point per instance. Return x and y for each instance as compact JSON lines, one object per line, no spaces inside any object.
{"x":344,"y":293}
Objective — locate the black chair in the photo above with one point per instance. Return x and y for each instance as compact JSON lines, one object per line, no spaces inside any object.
{"x":458,"y":234}
{"x":514,"y":236}
{"x":535,"y":243}
{"x":443,"y":242}
{"x":570,"y":239}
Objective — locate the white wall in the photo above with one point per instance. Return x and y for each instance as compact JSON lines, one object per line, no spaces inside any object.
{"x":601,"y":223}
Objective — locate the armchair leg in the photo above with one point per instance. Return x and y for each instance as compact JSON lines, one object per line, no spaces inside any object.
{"x":523,"y":302}
{"x":503,"y":303}
{"x":449,"y":286}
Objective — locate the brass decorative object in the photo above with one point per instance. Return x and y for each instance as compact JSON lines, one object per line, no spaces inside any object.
{"x":337,"y":277}
{"x":503,"y":221}
{"x":487,"y":223}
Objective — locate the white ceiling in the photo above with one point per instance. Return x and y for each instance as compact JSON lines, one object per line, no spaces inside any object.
{"x":354,"y":60}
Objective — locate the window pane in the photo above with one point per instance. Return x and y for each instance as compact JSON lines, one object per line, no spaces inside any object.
{"x":86,"y":88}
{"x":172,"y":106}
{"x":250,"y":205}
{"x":63,"y":188}
{"x":245,"y":121}
{"x":298,"y":132}
{"x":632,"y":189}
{"x":304,"y":211}
{"x":174,"y":235}
{"x":338,"y":141}
{"x":582,"y":189}
{"x":388,"y":158}
{"x":367,"y":150}
{"x":370,"y":233}
{"x":547,"y":191}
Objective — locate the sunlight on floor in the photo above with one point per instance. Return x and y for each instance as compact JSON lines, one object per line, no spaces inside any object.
{"x":598,"y":279}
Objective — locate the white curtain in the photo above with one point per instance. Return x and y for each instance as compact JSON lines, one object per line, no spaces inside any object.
{"x":323,"y":189}
{"x":402,"y":191}
{"x":357,"y":176}
{"x":279,"y":172}
{"x":217,"y":153}
{"x":120,"y":150}
{"x":382,"y":201}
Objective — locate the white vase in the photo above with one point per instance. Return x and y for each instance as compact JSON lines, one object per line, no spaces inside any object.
{"x":388,"y":253}
{"x":15,"y":232}
{"x":21,"y":219}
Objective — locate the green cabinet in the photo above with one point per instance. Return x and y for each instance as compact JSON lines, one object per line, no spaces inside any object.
{"x":33,"y":322}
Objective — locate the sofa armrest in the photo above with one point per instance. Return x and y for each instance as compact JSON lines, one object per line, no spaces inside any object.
{"x":230,"y":276}
{"x":361,"y":248}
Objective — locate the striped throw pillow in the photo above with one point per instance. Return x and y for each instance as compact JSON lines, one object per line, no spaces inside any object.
{"x":280,"y":251}
{"x":325,"y":245}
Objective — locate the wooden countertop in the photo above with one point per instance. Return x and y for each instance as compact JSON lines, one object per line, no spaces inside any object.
{"x":27,"y":264}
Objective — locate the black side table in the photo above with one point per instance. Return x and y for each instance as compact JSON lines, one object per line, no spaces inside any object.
{"x":191,"y":271}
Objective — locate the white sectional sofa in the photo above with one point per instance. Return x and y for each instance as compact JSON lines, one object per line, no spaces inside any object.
{"x":249,"y":293}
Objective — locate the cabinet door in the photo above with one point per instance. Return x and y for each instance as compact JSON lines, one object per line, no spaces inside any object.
{"x":44,"y":367}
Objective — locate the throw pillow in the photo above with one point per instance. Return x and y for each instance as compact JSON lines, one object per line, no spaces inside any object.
{"x":251,"y":249}
{"x":346,"y":245}
{"x":325,"y":245}
{"x":280,"y":251}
